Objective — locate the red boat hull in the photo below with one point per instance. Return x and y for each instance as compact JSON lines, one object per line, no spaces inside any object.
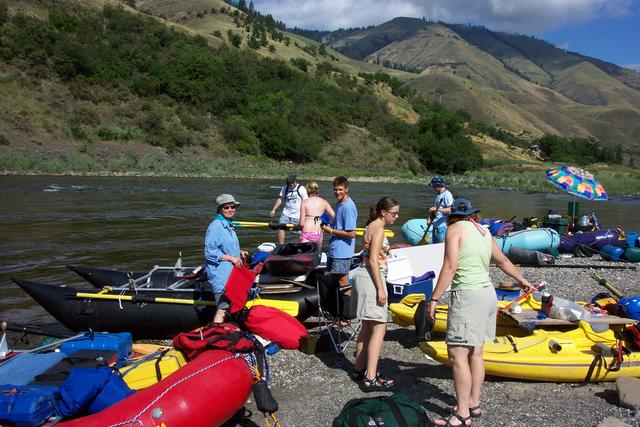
{"x":208,"y":398}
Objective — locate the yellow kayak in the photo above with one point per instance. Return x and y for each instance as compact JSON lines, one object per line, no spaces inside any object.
{"x":553,"y":356}
{"x":151,"y":367}
{"x":402,"y":314}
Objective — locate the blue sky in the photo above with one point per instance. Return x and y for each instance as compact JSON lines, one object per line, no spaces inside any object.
{"x":615,"y":40}
{"x":605,"y":29}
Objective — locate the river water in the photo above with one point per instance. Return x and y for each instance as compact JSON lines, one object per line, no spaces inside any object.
{"x":136,"y":223}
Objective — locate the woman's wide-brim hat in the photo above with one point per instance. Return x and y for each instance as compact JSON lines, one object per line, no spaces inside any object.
{"x":225,"y":199}
{"x":462,"y":207}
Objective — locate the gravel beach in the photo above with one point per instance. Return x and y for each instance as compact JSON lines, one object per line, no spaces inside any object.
{"x":312,"y":389}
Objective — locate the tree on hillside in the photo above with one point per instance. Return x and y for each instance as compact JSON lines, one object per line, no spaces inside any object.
{"x":234,"y":39}
{"x":253,"y":43}
{"x":4,"y":12}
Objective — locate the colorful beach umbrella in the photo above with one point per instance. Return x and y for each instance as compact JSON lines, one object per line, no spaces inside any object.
{"x":577,"y":181}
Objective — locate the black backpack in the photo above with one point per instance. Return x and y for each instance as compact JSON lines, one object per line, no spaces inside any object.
{"x":398,"y":410}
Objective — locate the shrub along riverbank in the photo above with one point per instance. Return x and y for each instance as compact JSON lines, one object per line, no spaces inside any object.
{"x":616,"y":180}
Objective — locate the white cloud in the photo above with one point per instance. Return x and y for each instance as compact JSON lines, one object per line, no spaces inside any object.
{"x":563,"y":46}
{"x":634,"y":67}
{"x":523,"y":16}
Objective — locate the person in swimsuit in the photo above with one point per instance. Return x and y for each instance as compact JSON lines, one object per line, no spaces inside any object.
{"x":311,"y":210}
{"x":370,"y":296}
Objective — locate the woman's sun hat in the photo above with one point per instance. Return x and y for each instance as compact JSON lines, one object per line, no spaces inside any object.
{"x":462,"y":207}
{"x":225,"y":199}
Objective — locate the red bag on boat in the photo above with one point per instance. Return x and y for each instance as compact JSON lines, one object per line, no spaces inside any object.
{"x":632,"y":334}
{"x":275,"y":325}
{"x":221,"y":336}
{"x":236,"y":290}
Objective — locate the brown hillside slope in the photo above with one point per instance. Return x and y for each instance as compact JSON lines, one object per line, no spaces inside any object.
{"x":517,"y":82}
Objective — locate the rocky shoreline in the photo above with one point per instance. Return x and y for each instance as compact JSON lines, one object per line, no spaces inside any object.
{"x":312,"y":389}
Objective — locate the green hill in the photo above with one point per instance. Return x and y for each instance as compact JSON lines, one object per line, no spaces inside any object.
{"x":201,"y":87}
{"x":103,"y":83}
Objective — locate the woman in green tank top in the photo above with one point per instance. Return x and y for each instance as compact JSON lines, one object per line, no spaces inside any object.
{"x":468,"y":250}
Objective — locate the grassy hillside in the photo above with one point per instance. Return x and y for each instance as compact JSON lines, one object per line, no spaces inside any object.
{"x":517,"y":82}
{"x":94,"y":82}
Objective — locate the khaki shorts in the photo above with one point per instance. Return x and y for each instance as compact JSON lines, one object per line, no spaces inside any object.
{"x":364,"y":298}
{"x":472,"y":317}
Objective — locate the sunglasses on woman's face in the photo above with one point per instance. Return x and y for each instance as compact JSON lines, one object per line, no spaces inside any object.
{"x":229,"y":207}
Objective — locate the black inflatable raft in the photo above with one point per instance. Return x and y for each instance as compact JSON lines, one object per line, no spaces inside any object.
{"x":146,"y":319}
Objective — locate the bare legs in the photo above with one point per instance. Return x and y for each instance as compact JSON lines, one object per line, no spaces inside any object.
{"x":476,"y":364}
{"x":280,"y":237}
{"x":369,"y":347}
{"x":468,"y":376}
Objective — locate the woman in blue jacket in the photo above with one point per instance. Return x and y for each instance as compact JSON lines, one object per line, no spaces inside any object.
{"x":222,"y":251}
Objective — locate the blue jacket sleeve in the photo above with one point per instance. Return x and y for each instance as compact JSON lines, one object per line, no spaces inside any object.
{"x":212,"y":244}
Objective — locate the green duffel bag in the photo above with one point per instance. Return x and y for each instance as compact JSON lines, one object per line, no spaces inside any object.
{"x":398,"y":410}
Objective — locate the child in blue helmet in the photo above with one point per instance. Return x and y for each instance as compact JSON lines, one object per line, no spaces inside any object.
{"x":440,"y":210}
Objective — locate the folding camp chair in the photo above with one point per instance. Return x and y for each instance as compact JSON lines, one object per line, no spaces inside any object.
{"x":335,"y":317}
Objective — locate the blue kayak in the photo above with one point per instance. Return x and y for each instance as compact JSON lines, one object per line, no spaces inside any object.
{"x":535,"y":239}
{"x":413,"y":231}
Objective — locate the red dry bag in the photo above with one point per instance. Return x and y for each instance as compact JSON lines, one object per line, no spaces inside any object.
{"x":221,"y":336}
{"x":236,"y":290}
{"x":275,"y":325}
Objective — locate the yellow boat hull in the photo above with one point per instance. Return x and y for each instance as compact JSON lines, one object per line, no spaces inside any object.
{"x":536,"y":360}
{"x":402,"y":315}
{"x":156,"y":366}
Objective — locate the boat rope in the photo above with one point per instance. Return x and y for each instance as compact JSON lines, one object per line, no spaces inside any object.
{"x":122,"y":292}
{"x":136,"y":420}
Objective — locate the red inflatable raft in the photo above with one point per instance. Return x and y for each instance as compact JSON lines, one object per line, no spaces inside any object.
{"x":204,"y":393}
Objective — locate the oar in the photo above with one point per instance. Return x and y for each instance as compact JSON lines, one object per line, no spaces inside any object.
{"x":286,"y":306}
{"x":604,"y":282}
{"x":143,"y":299}
{"x":4,"y":346}
{"x":33,"y":330}
{"x":523,"y":296}
{"x":276,"y":226}
{"x":53,"y":344}
{"x":432,"y":216}
{"x":289,"y":307}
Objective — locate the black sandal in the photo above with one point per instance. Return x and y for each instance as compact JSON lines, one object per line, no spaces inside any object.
{"x":463,"y":420}
{"x":474,"y":411}
{"x":376,"y":384}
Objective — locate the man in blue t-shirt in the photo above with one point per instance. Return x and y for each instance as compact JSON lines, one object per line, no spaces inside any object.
{"x":342,"y":242}
{"x":440,"y":210}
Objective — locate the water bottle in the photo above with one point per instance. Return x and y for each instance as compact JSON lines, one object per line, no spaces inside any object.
{"x":272,"y":349}
{"x":546,"y":303}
